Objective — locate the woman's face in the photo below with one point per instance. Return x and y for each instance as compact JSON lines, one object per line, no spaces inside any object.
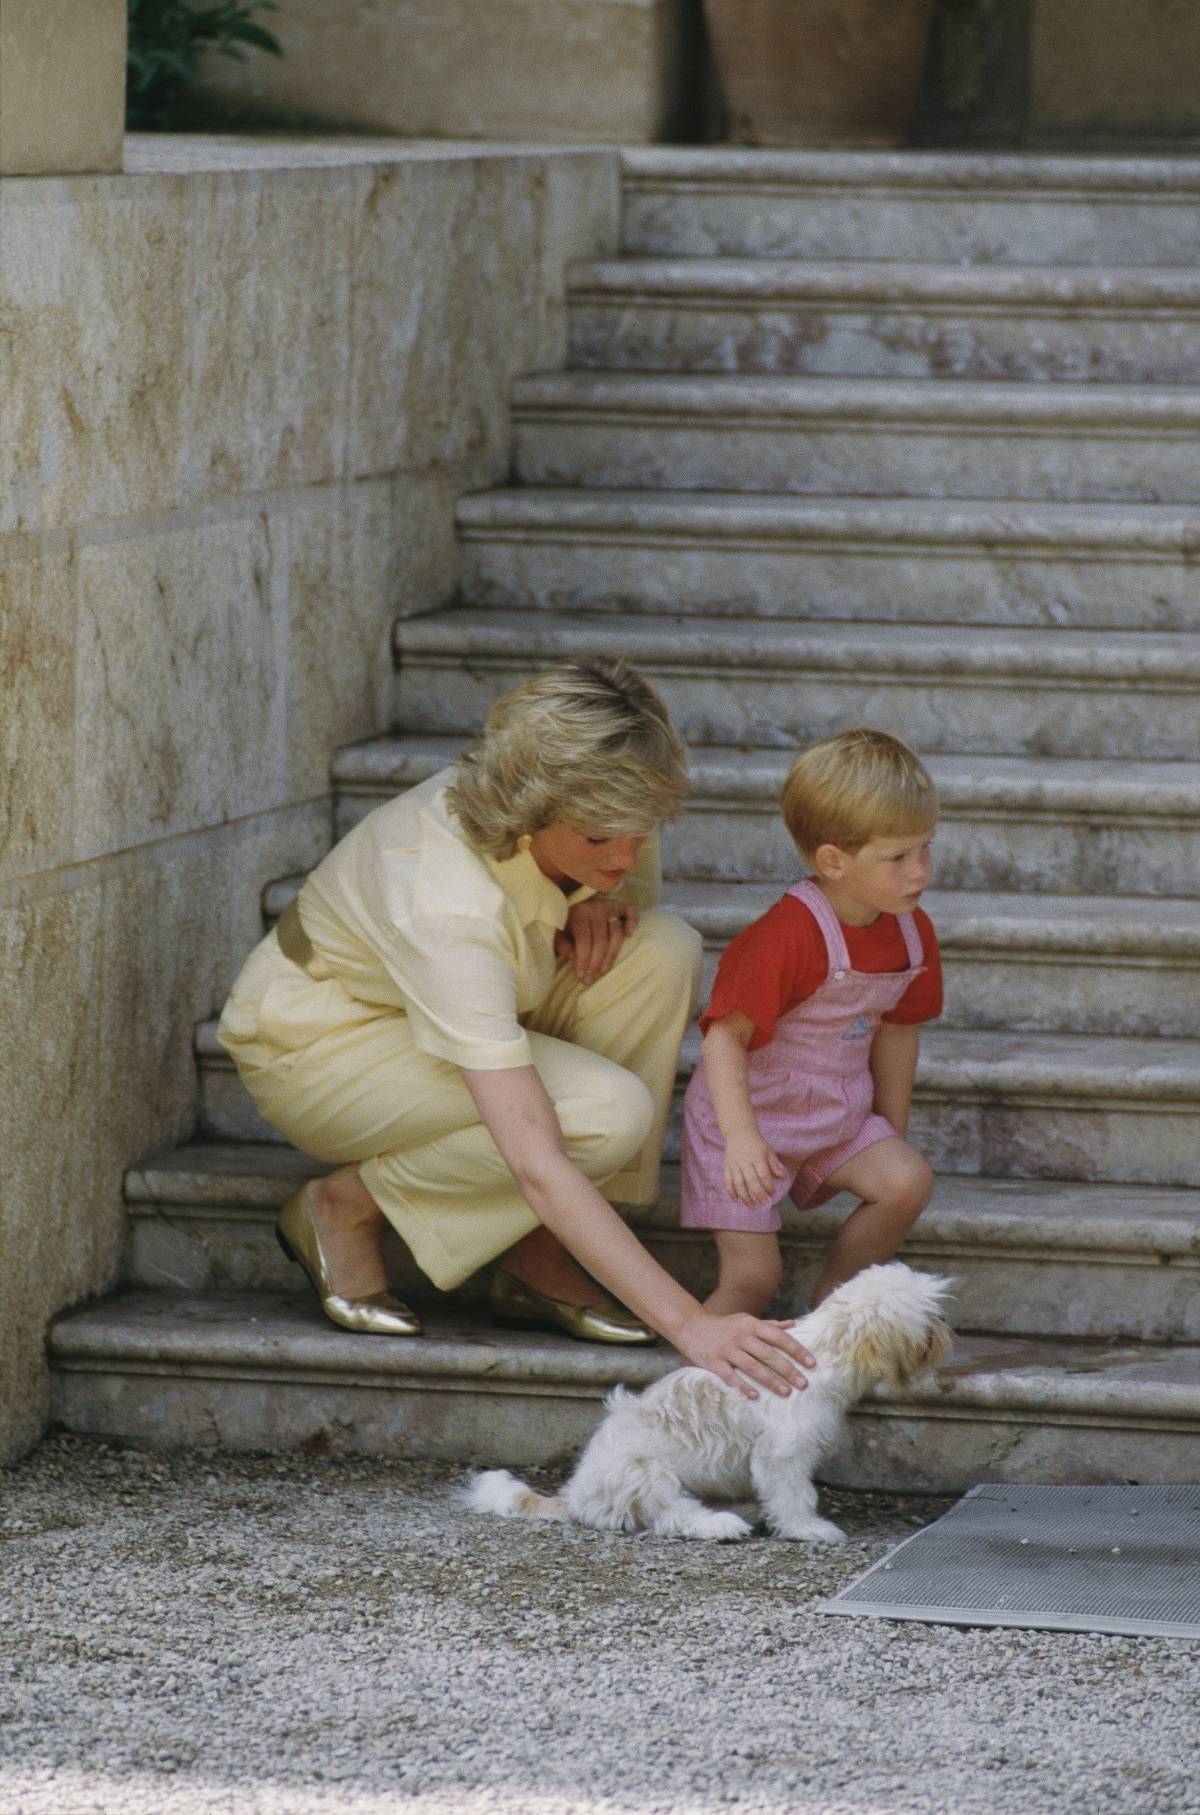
{"x":571,"y":857}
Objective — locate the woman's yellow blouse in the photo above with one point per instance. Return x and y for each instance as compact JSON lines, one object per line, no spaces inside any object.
{"x":408,"y":915}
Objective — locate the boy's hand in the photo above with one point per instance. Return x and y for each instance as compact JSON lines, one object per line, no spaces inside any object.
{"x":751,"y":1168}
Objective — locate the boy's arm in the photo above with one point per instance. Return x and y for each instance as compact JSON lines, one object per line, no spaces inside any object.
{"x":750,"y":1165}
{"x":725,"y":1044}
{"x":893,"y":1067}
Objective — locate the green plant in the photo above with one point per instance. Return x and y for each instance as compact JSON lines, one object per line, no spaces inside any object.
{"x":168,"y":40}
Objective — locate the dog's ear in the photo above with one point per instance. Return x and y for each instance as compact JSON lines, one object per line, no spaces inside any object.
{"x":918,"y":1353}
{"x":898,"y":1354}
{"x":938,"y":1346}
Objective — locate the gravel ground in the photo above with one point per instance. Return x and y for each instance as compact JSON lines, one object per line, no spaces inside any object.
{"x":199,"y":1635}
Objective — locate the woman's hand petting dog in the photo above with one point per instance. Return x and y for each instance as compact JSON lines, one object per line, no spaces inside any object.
{"x":740,"y":1350}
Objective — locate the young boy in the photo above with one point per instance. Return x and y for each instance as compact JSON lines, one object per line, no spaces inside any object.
{"x":810,"y":1038}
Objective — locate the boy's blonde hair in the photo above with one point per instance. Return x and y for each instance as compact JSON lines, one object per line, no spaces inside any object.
{"x":588,"y":743}
{"x":861,"y":784}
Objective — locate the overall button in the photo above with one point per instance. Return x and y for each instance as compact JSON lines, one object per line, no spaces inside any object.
{"x":838,"y":976}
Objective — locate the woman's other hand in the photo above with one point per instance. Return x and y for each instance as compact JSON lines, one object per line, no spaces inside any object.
{"x":742,"y":1350}
{"x":596,"y":930}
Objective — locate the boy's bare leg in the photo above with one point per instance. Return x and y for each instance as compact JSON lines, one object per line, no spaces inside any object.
{"x":895,"y":1184}
{"x":750,"y":1270}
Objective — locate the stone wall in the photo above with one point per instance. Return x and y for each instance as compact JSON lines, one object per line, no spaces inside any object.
{"x":241,"y":405}
{"x":1114,"y":71}
{"x":998,"y":72}
{"x":574,"y":71}
{"x":62,"y":85}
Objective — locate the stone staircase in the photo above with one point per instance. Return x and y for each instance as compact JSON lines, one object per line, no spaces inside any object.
{"x":903,"y":438}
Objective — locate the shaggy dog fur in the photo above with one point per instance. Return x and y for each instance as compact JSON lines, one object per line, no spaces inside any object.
{"x":689,"y":1437}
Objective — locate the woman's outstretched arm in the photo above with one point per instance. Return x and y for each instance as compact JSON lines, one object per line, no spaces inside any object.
{"x":516,"y":1109}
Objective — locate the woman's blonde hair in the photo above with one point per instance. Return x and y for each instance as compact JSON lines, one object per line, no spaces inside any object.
{"x":861,"y":784}
{"x":589,"y":743}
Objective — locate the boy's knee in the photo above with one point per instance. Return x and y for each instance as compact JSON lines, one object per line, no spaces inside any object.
{"x":912,"y":1183}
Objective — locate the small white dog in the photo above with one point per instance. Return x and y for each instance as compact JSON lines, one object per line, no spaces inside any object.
{"x":689,"y":1435}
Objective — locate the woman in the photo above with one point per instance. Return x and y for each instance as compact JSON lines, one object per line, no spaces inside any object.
{"x":468,"y":1012}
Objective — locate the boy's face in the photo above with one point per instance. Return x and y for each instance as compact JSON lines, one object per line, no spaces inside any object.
{"x":887,"y":876}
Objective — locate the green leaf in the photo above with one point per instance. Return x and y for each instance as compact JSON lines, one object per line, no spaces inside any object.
{"x":168,"y":41}
{"x":254,"y":34}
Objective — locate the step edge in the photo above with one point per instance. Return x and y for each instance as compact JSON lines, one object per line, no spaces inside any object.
{"x":166,"y":1178}
{"x":1022,"y":929}
{"x":1168,"y":792}
{"x":723,"y":283}
{"x":941,"y":405}
{"x":983,"y":653}
{"x":1165,"y":1244}
{"x":1166,"y":530}
{"x":95,"y":1341}
{"x":1041,"y":175}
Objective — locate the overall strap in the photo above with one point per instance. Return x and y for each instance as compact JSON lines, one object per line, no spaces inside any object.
{"x":912,"y":941}
{"x":831,"y":927}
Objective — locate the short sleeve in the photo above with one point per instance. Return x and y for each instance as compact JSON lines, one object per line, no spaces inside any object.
{"x":459,"y":984}
{"x":775,"y":963}
{"x":922,"y":1000}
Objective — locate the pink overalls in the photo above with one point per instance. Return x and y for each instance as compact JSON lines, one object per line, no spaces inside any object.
{"x":811,"y":1086}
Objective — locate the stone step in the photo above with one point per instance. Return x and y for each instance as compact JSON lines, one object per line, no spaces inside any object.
{"x":1016,"y":963}
{"x":867,"y":437}
{"x":1105,"y":566}
{"x":1035,"y":324}
{"x":1025,"y":824}
{"x":266,"y":1372}
{"x":1044,"y":1259}
{"x":966,"y":208}
{"x":775,"y":682}
{"x":995,"y":1104}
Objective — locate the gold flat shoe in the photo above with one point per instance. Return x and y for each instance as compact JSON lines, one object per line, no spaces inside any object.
{"x":377,"y":1315}
{"x":514,"y":1303}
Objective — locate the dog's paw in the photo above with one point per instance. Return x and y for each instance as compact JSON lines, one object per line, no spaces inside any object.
{"x":813,"y":1531}
{"x":719,"y":1528}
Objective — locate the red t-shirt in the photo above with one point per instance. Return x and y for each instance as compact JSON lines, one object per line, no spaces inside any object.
{"x":780,"y":959}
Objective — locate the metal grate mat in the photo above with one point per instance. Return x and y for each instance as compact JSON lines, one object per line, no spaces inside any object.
{"x":1069,"y":1559}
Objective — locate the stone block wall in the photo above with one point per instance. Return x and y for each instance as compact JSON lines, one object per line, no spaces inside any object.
{"x":238,"y":408}
{"x":1125,"y":71}
{"x":573,"y":71}
{"x":999,"y":72}
{"x":62,"y":85}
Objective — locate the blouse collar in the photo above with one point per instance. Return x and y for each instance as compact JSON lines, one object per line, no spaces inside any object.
{"x":531,"y":891}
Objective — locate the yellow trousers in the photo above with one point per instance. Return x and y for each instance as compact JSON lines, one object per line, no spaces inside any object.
{"x":345,"y":1082}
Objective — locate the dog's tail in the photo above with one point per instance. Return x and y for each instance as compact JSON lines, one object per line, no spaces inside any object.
{"x":496,"y":1491}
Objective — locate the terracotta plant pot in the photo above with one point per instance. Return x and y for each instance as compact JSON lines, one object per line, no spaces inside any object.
{"x":818,"y":72}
